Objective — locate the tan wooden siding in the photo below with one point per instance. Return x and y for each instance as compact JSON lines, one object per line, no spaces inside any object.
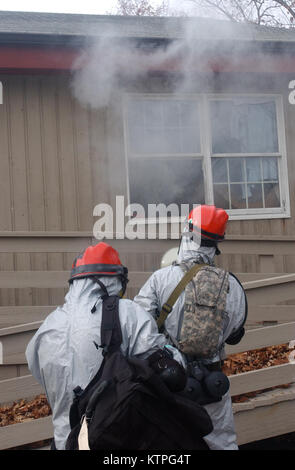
{"x":54,"y":252}
{"x":52,"y":172}
{"x":58,"y":160}
{"x":52,"y":156}
{"x":26,"y":432}
{"x":15,"y":335}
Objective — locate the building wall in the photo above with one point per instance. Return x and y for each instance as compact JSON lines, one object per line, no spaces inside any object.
{"x":58,"y":160}
{"x":53,"y":156}
{"x":52,"y":169}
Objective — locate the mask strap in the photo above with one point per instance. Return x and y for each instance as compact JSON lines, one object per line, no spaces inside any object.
{"x":124,"y":281}
{"x":106,"y":294}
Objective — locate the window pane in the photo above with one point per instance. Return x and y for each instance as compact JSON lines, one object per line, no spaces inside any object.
{"x":243,"y":126}
{"x":236,"y":169}
{"x":270,"y":169}
{"x":136,"y":139}
{"x":154,"y":141}
{"x":153,"y":113}
{"x":272,"y":195}
{"x":254,"y":195}
{"x":253,"y":169}
{"x":219,"y":169}
{"x":136,"y":113}
{"x":238,"y":196}
{"x":257,"y":176}
{"x":168,"y":126}
{"x":189,"y":114}
{"x":171,"y":113}
{"x":221,"y":196}
{"x":190,"y":140}
{"x":166,"y":180}
{"x":172,"y":141}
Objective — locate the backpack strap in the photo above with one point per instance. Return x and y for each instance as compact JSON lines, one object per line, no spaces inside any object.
{"x":111,"y":334}
{"x":236,"y":336}
{"x":167,"y":307}
{"x":111,"y":339}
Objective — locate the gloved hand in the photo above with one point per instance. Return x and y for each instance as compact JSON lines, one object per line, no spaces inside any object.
{"x":235,"y":337}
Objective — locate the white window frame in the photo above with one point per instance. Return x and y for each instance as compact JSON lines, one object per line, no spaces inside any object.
{"x":206,"y":151}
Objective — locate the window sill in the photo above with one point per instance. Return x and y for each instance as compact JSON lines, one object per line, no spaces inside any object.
{"x":233,"y":215}
{"x":248,"y":215}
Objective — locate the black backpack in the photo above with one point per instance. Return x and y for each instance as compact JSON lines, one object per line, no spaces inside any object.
{"x":128,"y":406}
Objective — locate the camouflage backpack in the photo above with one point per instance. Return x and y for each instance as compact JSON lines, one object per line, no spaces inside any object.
{"x":205,"y":299}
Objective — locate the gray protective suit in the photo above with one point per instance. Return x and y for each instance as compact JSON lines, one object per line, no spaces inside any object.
{"x":156,"y":292}
{"x":62,"y":354}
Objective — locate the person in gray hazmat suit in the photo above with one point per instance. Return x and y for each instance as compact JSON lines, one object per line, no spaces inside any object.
{"x":64,"y":353}
{"x":209,"y":224}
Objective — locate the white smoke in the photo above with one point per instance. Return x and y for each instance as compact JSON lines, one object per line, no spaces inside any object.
{"x":101,"y":69}
{"x":111,"y":61}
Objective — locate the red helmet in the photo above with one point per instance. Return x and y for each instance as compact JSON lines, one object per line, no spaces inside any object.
{"x":98,"y":260}
{"x":209,"y":221}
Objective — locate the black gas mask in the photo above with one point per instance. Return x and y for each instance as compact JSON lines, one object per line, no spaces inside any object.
{"x":205,"y":386}
{"x":171,"y":372}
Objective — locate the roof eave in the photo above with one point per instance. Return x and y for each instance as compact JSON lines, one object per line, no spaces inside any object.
{"x":78,"y":41}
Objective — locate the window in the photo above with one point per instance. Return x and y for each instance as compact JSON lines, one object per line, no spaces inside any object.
{"x":243,"y":126}
{"x":219,"y":149}
{"x":240,"y":129}
{"x":165,"y":163}
{"x":241,"y":183}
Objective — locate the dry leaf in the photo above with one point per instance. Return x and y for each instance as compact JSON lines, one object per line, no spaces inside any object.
{"x":24,"y":411}
{"x":254,"y":360}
